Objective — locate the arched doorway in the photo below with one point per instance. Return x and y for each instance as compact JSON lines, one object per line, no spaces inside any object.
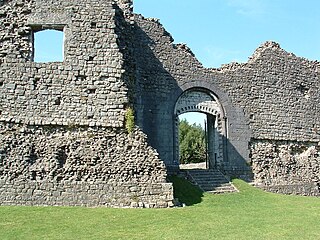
{"x":204,"y":101}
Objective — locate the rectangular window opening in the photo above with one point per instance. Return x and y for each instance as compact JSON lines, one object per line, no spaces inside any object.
{"x":48,"y":43}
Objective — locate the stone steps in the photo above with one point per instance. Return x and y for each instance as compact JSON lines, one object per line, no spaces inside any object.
{"x":210,"y":180}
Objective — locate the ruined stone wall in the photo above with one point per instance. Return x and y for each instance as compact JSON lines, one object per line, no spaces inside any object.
{"x":164,"y":71}
{"x":124,"y":195}
{"x":273,"y":97}
{"x":75,"y":154}
{"x":154,"y":54}
{"x":287,"y":166}
{"x":114,"y":59}
{"x":278,"y":92}
{"x":62,"y":135}
{"x":88,"y":88}
{"x":282,"y":105}
{"x":79,"y":166}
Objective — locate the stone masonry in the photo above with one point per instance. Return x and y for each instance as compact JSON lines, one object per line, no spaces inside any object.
{"x":80,"y":166}
{"x":63,"y":139}
{"x":273,"y":99}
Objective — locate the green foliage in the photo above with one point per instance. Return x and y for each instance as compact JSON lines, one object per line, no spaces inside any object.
{"x":129,"y":117}
{"x":250,"y":214}
{"x":192,"y":143}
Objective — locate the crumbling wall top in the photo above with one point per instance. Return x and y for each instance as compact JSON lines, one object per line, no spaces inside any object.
{"x":126,"y":6}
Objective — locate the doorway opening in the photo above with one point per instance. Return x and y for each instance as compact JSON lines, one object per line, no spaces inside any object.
{"x":199,"y":110}
{"x":193,"y":140}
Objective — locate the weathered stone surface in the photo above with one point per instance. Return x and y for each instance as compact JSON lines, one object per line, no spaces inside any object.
{"x":89,"y":87}
{"x":63,"y":140}
{"x":77,"y":154}
{"x":86,"y":194}
{"x":62,"y":136}
{"x":287,"y":167}
{"x":272,"y":97}
{"x":59,"y":164}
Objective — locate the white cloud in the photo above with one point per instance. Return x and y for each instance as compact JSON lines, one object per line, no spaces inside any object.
{"x":248,"y":8}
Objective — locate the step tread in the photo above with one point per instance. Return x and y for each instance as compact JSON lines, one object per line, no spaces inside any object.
{"x":211,"y":181}
{"x":210,"y":178}
{"x":221,"y":192}
{"x":215,"y":185}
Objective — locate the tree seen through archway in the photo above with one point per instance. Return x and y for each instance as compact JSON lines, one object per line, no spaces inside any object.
{"x":192,"y":140}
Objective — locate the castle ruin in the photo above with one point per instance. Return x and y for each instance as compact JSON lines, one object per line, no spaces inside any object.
{"x":63,"y":130}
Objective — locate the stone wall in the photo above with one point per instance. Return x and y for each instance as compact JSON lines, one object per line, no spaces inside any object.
{"x":62,"y":135}
{"x":62,"y":123}
{"x":164,"y":71}
{"x":50,"y":165}
{"x":90,"y":87}
{"x":273,"y":97}
{"x":278,"y":92}
{"x":133,"y":195}
{"x":287,"y":166}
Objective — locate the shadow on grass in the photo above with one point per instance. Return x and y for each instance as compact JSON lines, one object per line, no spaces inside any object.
{"x":186,"y":192}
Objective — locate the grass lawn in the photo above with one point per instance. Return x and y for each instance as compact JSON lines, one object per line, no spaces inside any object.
{"x":250,"y":214}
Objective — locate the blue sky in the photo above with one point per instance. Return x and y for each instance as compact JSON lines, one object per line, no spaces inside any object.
{"x":224,"y":31}
{"x":48,"y":46}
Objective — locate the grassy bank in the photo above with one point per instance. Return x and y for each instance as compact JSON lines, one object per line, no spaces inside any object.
{"x":250,"y":214}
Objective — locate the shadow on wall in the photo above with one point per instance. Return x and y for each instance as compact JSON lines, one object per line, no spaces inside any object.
{"x":235,"y":166}
{"x":153,"y":84}
{"x":156,"y":93}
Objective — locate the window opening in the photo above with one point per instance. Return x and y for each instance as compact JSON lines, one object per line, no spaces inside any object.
{"x":49,"y":46}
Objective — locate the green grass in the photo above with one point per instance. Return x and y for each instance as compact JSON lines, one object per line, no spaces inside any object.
{"x":250,"y":214}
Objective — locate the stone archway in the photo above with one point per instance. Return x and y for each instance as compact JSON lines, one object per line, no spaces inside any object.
{"x":204,"y":101}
